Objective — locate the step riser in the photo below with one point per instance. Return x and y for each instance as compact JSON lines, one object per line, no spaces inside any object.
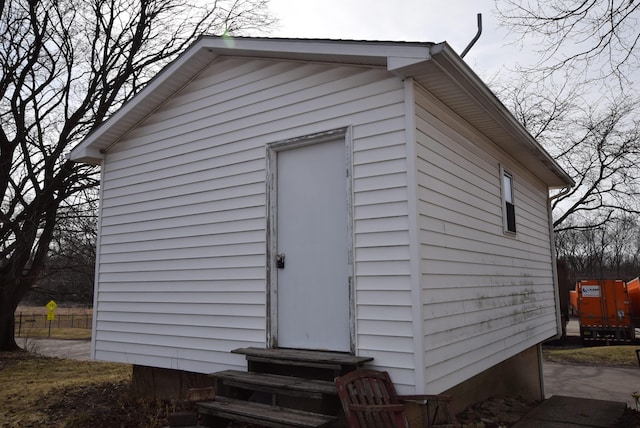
{"x":304,"y":371}
{"x":308,"y":399}
{"x":292,"y":384}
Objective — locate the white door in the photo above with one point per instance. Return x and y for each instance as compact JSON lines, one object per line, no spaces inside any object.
{"x":312,"y":235}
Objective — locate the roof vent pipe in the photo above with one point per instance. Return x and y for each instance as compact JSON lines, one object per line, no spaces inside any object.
{"x":475,"y":39}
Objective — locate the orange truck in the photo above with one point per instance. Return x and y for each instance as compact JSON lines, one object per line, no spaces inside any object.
{"x":604,"y":311}
{"x":633,"y":289}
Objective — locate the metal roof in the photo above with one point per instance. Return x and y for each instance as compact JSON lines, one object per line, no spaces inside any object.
{"x":434,"y":66}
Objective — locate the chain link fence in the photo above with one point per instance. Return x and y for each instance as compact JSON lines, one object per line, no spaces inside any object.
{"x":25,"y":322}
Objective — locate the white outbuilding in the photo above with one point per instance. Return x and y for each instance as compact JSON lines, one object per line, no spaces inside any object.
{"x":372,"y":198}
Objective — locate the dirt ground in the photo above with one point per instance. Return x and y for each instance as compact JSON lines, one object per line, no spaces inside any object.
{"x":98,"y":405}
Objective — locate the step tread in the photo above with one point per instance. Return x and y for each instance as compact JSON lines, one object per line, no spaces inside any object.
{"x":301,"y":355}
{"x":263,"y":414}
{"x":280,"y":382}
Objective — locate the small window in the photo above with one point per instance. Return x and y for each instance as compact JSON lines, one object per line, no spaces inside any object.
{"x":508,"y":206}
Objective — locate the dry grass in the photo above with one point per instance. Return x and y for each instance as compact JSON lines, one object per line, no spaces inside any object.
{"x":48,"y":392}
{"x":56,"y":333}
{"x":29,"y":384}
{"x":601,"y":355}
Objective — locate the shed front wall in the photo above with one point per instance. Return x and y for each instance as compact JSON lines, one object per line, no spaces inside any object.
{"x":181,"y":276}
{"x":486,"y":295}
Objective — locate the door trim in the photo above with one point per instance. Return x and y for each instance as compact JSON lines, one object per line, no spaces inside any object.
{"x":344,"y":134}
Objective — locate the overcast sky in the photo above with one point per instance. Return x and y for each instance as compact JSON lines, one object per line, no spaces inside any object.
{"x":453,"y":21}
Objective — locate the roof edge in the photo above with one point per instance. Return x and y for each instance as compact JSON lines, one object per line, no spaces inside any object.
{"x":207,"y":48}
{"x":394,"y":56}
{"x":451,"y":63}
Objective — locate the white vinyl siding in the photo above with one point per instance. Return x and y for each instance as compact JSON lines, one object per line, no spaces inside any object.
{"x":181,"y":277}
{"x":182,"y":267}
{"x":486,"y":296}
{"x":381,"y":244}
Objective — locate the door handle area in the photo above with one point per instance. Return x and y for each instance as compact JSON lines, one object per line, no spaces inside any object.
{"x":280,"y":261}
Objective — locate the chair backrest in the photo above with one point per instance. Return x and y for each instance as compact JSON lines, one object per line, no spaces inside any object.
{"x":369,"y":400}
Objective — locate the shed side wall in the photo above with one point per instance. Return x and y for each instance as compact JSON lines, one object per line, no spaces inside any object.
{"x":487,"y":295}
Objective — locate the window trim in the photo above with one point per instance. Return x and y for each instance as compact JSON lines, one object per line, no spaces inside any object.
{"x":509,"y":223}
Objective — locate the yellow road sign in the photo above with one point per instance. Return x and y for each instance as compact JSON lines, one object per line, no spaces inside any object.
{"x":50,"y":316}
{"x":51,"y":305}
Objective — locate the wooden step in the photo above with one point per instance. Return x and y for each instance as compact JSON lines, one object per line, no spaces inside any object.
{"x":276,"y":384}
{"x":261,"y":414}
{"x":299,"y":357}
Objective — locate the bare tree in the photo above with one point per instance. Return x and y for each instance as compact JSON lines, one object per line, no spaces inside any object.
{"x":600,"y":39}
{"x":579,"y":98}
{"x":583,"y":251}
{"x":605,"y":252}
{"x":65,"y":66}
{"x":601,"y":150}
{"x":68,"y":273}
{"x":620,"y":247}
{"x":598,"y":144}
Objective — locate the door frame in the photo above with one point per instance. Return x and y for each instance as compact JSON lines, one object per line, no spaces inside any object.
{"x":345,"y":135}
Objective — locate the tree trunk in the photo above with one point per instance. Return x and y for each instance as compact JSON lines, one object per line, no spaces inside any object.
{"x":8,"y":307}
